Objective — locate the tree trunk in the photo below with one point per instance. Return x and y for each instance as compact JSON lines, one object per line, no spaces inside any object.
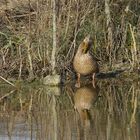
{"x":109,"y":30}
{"x":53,"y":61}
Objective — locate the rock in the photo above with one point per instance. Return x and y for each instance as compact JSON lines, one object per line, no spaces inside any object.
{"x":52,"y":80}
{"x":52,"y":90}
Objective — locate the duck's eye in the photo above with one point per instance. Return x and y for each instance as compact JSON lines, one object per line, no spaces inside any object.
{"x":90,"y":44}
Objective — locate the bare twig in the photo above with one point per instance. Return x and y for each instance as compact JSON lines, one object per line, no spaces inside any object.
{"x":68,"y":19}
{"x":24,"y":15}
{"x":53,"y":61}
{"x":29,"y":43}
{"x":133,"y":46}
{"x":7,"y":81}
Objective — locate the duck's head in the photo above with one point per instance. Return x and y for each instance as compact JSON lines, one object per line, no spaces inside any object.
{"x":86,"y":44}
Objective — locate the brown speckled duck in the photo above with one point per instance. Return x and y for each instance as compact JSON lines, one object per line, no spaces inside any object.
{"x":84,"y":98}
{"x":85,"y":63}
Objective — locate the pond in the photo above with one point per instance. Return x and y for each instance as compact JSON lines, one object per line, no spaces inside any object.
{"x":110,"y":111}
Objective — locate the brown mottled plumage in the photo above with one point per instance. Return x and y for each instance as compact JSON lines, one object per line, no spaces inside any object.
{"x":84,"y":98}
{"x":84,"y":63}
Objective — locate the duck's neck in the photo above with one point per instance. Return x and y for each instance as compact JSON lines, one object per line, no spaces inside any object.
{"x":81,"y":52}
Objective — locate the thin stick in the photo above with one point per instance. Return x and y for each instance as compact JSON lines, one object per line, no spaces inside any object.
{"x":134,"y":49}
{"x":7,"y":81}
{"x":24,"y":15}
{"x":53,"y":59}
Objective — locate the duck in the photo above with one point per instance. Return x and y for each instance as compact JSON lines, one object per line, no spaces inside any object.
{"x":84,"y":98}
{"x":85,"y":63}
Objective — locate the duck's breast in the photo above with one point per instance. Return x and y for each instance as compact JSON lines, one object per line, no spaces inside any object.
{"x":85,"y":64}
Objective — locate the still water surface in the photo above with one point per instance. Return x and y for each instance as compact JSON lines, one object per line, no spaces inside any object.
{"x":110,"y":111}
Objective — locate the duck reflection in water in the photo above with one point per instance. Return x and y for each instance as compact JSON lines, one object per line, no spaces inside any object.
{"x":84,"y":98}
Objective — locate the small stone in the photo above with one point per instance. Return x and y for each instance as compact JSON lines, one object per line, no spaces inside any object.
{"x":51,"y":80}
{"x":52,"y":90}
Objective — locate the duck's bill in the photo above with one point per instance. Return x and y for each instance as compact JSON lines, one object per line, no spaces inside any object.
{"x":85,"y":48}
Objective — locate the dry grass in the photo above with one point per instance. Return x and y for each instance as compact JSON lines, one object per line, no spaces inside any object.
{"x":26,"y":34}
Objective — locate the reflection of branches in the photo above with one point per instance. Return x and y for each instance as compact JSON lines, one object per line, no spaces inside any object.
{"x":45,"y":113}
{"x":70,"y":94}
{"x":134,"y":106}
{"x":117,"y":98}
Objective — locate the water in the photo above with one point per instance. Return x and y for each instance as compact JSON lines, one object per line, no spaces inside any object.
{"x":111,"y":111}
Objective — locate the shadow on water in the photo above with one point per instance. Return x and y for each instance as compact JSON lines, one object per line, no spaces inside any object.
{"x":108,"y":111}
